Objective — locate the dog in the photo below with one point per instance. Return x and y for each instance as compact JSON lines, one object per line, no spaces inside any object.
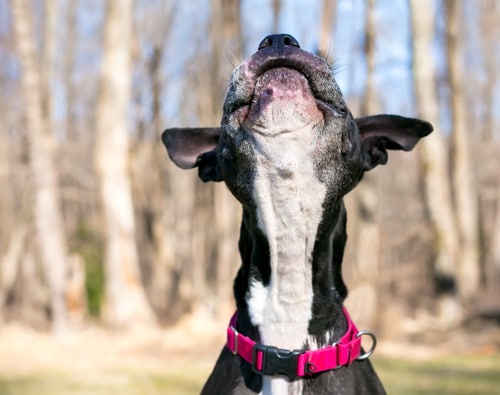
{"x":289,"y":149}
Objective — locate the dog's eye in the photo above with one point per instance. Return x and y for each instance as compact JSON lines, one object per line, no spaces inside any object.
{"x":339,"y":111}
{"x":342,"y":110}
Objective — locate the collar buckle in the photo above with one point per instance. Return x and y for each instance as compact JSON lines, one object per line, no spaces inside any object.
{"x":271,"y":361}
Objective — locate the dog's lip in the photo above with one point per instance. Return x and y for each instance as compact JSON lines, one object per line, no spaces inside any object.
{"x":312,"y":67}
{"x":327,"y":107}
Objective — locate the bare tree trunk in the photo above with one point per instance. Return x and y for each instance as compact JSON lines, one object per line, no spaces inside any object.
{"x":434,"y":158}
{"x":69,"y":64}
{"x":200,"y":251}
{"x":227,"y":212}
{"x":494,"y":267}
{"x":327,"y":25}
{"x":489,"y":143}
{"x":11,"y":242}
{"x":47,"y":212}
{"x":370,"y":104}
{"x":363,"y":298}
{"x":276,"y":15}
{"x":468,"y":275}
{"x":153,"y":197}
{"x":125,"y":301}
{"x":494,"y":64}
{"x":48,"y":59}
{"x":214,"y":212}
{"x":10,"y":263}
{"x":233,"y":38}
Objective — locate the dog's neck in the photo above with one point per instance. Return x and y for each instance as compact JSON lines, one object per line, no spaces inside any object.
{"x":291,"y":245}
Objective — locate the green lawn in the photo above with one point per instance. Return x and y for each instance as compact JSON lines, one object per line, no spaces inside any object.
{"x":445,"y":375}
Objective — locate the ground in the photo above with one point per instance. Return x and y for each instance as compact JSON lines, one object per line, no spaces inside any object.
{"x":93,"y":360}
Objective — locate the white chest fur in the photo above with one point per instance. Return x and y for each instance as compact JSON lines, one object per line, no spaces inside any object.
{"x":289,"y":200}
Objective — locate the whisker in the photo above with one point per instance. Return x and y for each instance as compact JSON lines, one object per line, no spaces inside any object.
{"x":232,"y":59}
{"x":329,"y":57}
{"x":338,"y":68}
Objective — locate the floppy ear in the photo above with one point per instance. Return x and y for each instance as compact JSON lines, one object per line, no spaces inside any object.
{"x":382,"y":132}
{"x":194,"y":147}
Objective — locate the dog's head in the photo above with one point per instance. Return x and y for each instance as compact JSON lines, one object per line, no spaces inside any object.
{"x":283,"y":110}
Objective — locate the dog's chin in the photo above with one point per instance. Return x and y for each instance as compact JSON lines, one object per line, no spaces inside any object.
{"x":282,"y":102}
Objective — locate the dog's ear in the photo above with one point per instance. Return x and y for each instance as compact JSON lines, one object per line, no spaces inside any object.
{"x":382,"y":132}
{"x":194,"y":147}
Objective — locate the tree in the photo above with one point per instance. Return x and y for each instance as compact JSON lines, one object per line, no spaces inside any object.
{"x":326,"y":27}
{"x":125,"y":302}
{"x":42,"y":150}
{"x":153,"y":197}
{"x":226,"y":208}
{"x":215,"y":253}
{"x":490,"y":24}
{"x":364,"y":297}
{"x":468,"y":276}
{"x":276,"y":15}
{"x":434,"y":157}
{"x":481,"y":90}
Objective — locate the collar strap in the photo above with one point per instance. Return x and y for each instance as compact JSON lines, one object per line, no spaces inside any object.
{"x":271,"y":361}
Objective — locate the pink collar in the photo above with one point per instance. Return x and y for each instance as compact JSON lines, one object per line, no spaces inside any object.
{"x":271,"y":361}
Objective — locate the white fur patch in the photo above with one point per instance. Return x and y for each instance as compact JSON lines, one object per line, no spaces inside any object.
{"x":281,"y":386}
{"x":256,"y":301}
{"x":289,"y":200}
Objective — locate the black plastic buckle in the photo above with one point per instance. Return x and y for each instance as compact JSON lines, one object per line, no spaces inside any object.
{"x":276,"y":361}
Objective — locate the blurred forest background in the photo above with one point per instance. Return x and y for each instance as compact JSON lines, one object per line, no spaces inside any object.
{"x":97,"y":225}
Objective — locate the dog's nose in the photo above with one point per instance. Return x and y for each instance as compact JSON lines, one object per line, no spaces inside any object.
{"x":278,"y":41}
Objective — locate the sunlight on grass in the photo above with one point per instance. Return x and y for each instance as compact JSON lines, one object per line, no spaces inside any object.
{"x":458,"y":375}
{"x":106,"y":383}
{"x":444,"y":376}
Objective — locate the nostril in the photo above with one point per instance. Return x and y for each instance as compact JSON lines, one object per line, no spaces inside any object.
{"x":289,"y":40}
{"x":267,"y":42}
{"x":278,"y":41}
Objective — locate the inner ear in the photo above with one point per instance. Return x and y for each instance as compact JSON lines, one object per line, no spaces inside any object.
{"x":374,"y":152}
{"x":399,"y":132}
{"x":194,"y":147}
{"x":382,"y":132}
{"x":186,"y":145}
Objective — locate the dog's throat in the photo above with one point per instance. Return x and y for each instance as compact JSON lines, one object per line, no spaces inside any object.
{"x":289,"y":201}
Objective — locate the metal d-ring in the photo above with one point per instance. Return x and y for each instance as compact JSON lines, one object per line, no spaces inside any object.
{"x":368,"y":353}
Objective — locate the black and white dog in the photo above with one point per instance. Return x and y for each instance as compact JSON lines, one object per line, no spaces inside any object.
{"x":289,"y":150}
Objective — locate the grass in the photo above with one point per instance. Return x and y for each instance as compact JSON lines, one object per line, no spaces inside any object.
{"x":120,"y":382}
{"x":453,"y":375}
{"x":458,"y":375}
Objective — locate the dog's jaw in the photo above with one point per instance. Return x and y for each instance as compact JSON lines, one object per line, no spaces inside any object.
{"x":282,"y":103}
